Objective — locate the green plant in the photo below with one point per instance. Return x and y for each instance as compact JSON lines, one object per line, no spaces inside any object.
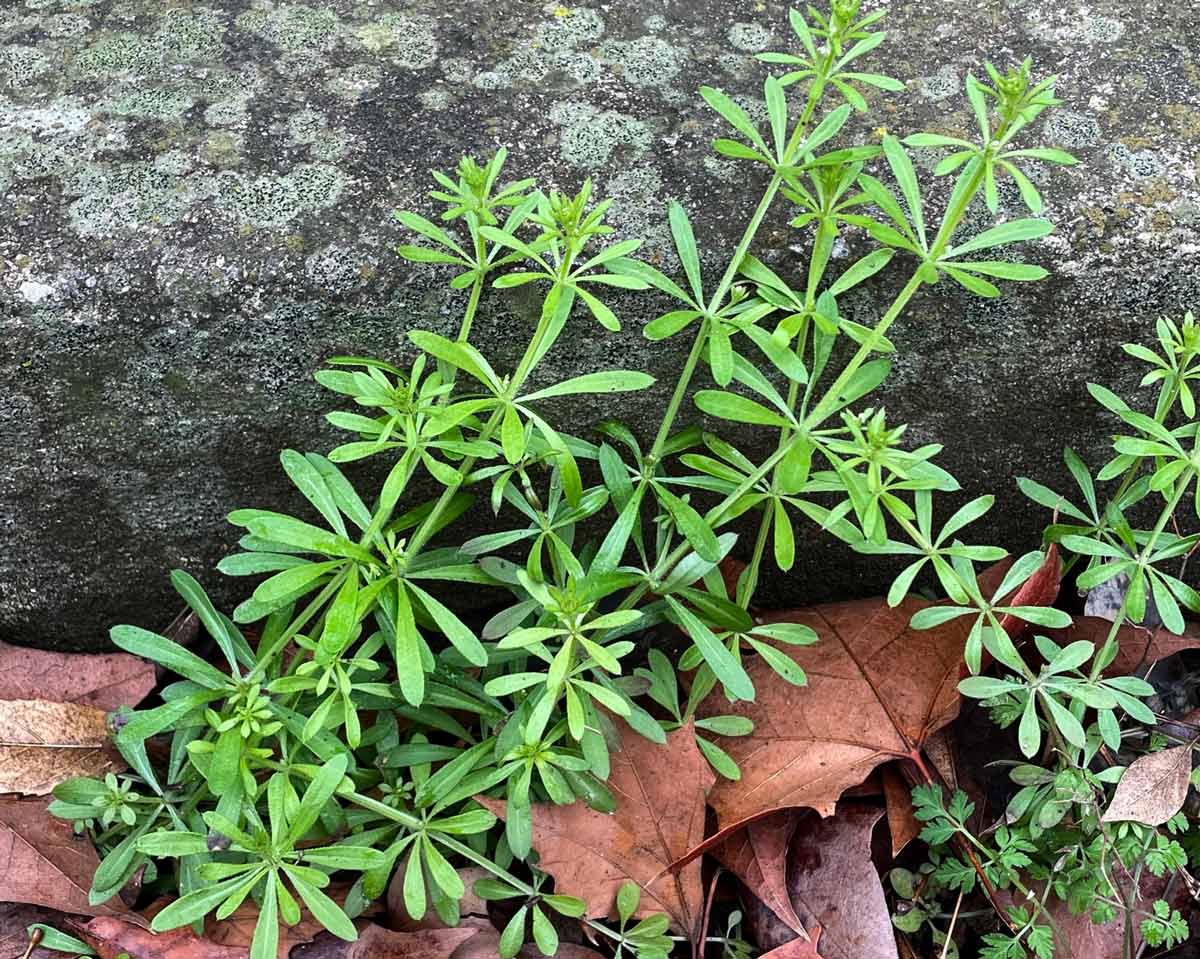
{"x":395,"y":711}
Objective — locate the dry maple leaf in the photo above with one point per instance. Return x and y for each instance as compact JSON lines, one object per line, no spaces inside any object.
{"x":757,"y":854}
{"x":877,"y":690}
{"x":660,"y":792}
{"x":43,"y":743}
{"x":43,"y":862}
{"x":106,"y":681}
{"x":1153,"y":788}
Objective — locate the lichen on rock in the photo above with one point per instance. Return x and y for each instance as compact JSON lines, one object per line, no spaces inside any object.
{"x":197,"y":212}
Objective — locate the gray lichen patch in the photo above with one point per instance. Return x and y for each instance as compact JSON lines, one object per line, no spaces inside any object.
{"x":750,"y":37}
{"x":645,"y":62}
{"x":292,"y":27}
{"x":406,"y":40}
{"x":590,"y":137}
{"x":273,"y":200}
{"x":941,"y":85}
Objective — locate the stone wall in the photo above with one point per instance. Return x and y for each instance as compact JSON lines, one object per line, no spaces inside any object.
{"x":197,"y":210}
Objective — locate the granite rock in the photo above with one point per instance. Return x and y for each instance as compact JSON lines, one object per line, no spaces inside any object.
{"x":197,"y":211}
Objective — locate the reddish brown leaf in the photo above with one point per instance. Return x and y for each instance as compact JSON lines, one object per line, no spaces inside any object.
{"x":1139,"y":647}
{"x":660,"y":794}
{"x":876,"y":691}
{"x":43,"y":862}
{"x":237,"y":930}
{"x":112,"y":937}
{"x":757,"y":854}
{"x":375,"y":942}
{"x":106,"y":681}
{"x":902,"y":820}
{"x":1041,"y":589}
{"x":797,"y":948}
{"x":833,"y":883}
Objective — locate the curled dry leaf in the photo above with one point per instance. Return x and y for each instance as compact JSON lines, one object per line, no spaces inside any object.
{"x":43,"y":743}
{"x":1153,"y":788}
{"x":112,"y":938}
{"x":832,"y":883}
{"x":757,"y":854}
{"x":901,"y":815}
{"x":877,"y":690}
{"x":834,"y":888}
{"x":660,"y":794}
{"x":1041,"y":589}
{"x":107,"y":681}
{"x":43,"y":862}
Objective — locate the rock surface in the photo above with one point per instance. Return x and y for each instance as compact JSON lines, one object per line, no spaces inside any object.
{"x":197,"y":211}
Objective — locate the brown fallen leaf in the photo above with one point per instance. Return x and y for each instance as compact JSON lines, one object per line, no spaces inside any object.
{"x":901,"y":814}
{"x":1077,"y":937}
{"x":237,"y":929}
{"x":660,"y":794}
{"x":43,"y":862}
{"x":376,"y":942}
{"x":15,"y":920}
{"x":112,"y":938}
{"x":470,"y":905}
{"x":832,"y":882}
{"x":1153,"y":788}
{"x":1139,"y":647}
{"x":1041,"y":589}
{"x":876,"y":691}
{"x":940,"y":751}
{"x":43,"y":743}
{"x":797,"y":948}
{"x":105,"y":681}
{"x":757,"y":854}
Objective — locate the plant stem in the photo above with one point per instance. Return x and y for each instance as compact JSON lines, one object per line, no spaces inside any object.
{"x":423,"y":532}
{"x":830,"y":401}
{"x":296,"y":625}
{"x":1181,"y":485}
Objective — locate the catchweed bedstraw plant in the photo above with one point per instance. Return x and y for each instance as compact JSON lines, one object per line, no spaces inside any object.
{"x":353,"y":733}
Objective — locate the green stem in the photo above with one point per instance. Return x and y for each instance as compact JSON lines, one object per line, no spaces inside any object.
{"x":718,"y":297}
{"x":296,"y":625}
{"x":831,"y":400}
{"x":423,"y":532}
{"x":681,"y":387}
{"x":1181,"y":485}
